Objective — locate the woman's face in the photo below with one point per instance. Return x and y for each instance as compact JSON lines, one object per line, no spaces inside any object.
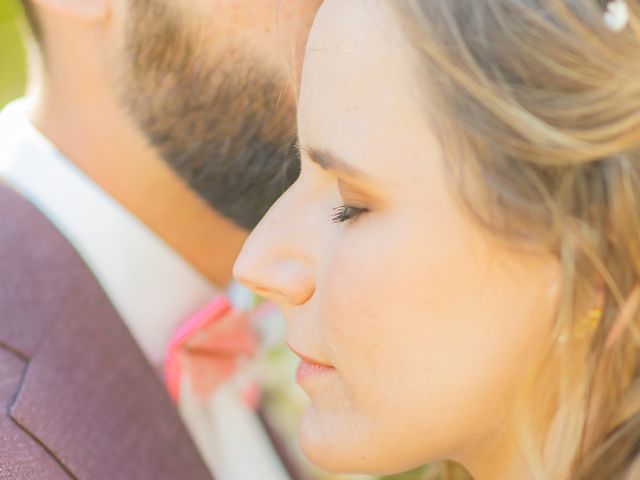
{"x":423,"y":322}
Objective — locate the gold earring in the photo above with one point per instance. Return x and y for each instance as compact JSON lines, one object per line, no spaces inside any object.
{"x":584,"y":327}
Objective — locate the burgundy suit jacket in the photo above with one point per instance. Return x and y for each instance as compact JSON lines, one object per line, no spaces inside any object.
{"x":78,"y":398}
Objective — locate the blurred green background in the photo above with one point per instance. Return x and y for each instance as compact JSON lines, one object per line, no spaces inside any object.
{"x":13,"y":65}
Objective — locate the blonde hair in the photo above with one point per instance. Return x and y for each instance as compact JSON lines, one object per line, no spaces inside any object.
{"x":541,"y":103}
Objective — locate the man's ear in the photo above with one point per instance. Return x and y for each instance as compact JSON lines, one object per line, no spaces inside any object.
{"x":84,"y":10}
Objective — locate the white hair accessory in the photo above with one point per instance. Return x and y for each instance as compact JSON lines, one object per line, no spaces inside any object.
{"x":617,"y":15}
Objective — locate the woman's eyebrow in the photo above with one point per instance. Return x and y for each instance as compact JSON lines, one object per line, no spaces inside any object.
{"x":330,"y":161}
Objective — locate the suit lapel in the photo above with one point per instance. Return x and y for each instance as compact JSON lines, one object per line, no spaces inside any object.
{"x":20,"y":456}
{"x":88,"y":394}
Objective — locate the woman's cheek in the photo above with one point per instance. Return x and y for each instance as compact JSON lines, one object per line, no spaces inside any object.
{"x":364,"y":302}
{"x":388,"y":293}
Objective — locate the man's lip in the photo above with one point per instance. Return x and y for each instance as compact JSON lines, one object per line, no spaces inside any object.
{"x":308,"y":359}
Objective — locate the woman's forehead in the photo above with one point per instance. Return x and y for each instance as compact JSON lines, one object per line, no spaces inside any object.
{"x":353,"y":27}
{"x":356,"y":62}
{"x":358,"y":96}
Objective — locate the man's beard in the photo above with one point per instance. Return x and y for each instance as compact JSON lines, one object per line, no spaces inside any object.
{"x":222,"y":120}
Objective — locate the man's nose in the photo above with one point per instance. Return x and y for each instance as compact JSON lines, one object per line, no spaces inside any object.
{"x":274,"y":262}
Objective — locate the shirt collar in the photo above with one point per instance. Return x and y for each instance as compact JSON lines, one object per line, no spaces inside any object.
{"x":151,"y":286}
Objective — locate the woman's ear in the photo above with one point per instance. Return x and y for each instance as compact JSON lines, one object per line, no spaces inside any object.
{"x":83,"y":10}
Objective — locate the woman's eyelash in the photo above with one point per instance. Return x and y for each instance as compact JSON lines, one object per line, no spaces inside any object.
{"x":345,"y":213}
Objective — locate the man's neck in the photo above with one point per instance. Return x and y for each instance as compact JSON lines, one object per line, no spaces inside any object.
{"x":88,"y":126}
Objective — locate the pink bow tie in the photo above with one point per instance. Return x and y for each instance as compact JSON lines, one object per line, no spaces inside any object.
{"x":210,"y":348}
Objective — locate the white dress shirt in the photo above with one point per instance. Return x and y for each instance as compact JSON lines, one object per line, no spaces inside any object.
{"x":152,"y":287}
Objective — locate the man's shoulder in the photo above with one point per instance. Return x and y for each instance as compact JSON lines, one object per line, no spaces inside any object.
{"x":83,"y":388}
{"x":27,"y":238}
{"x":38,"y":269}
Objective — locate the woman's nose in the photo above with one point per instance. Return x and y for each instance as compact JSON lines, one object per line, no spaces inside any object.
{"x":274,"y":262}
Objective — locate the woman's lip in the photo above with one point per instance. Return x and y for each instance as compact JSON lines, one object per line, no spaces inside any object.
{"x":308,"y":359}
{"x":309,"y":367}
{"x":307,"y":370}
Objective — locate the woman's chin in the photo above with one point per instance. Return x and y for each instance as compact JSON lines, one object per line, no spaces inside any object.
{"x":336,"y":445}
{"x":321,"y":440}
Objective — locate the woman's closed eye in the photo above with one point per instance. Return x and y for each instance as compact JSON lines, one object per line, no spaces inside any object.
{"x":346,"y":213}
{"x":355,"y":203}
